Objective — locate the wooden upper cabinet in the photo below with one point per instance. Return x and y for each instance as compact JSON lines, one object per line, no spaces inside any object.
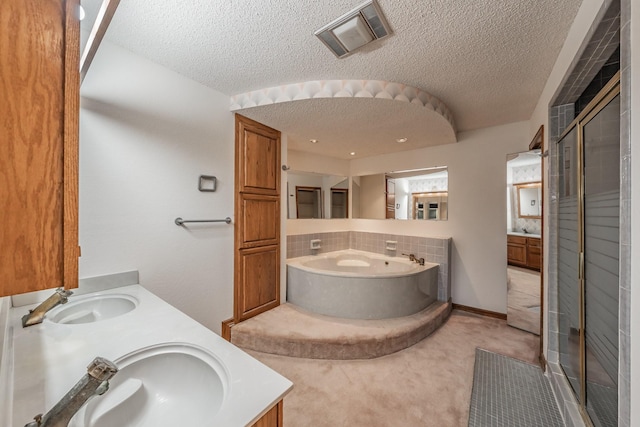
{"x":39,"y":83}
{"x":259,"y":171}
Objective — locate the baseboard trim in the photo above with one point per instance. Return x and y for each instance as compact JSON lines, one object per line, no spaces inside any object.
{"x":480,"y":311}
{"x":226,"y":329}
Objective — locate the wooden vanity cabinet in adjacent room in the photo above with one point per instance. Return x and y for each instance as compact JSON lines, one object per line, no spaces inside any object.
{"x":534,"y":253}
{"x":517,"y":250}
{"x":40,"y":86}
{"x":524,"y":251}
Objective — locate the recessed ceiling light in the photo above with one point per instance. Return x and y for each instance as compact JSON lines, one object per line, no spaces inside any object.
{"x":353,"y":153}
{"x":401,"y":140}
{"x":313,"y":141}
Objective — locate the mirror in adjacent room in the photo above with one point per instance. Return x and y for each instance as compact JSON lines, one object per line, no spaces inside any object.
{"x":524,"y":224}
{"x":317,"y":196}
{"x":529,"y":196}
{"x":419,"y":194}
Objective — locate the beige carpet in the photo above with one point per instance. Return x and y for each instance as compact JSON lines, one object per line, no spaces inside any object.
{"x":428,"y":384}
{"x":288,"y":330}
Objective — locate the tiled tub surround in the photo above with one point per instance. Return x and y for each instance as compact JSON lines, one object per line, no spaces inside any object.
{"x":44,"y":361}
{"x":360,"y":285}
{"x":433,"y":249}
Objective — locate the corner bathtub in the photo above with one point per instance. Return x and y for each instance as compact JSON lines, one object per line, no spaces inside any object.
{"x":361,"y":285}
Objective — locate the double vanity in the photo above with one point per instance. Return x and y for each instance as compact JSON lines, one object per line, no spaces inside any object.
{"x":171,"y":370}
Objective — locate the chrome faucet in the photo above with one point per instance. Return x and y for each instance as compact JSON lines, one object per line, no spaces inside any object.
{"x":94,"y":382}
{"x":412,"y":257}
{"x":36,"y":315}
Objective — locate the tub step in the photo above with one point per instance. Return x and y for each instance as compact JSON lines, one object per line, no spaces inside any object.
{"x":288,"y":330}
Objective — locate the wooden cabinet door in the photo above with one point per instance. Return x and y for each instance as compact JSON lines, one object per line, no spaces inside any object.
{"x":260,"y":217}
{"x":534,"y":253}
{"x":257,"y":280}
{"x":258,"y":148}
{"x":517,"y":254}
{"x":257,"y":233}
{"x":39,"y":83}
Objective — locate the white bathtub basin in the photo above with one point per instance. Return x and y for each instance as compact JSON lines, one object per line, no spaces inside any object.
{"x":92,"y":309}
{"x":171,"y":384}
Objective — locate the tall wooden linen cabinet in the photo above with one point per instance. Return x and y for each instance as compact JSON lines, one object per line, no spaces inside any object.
{"x":257,"y":206}
{"x":39,"y":83}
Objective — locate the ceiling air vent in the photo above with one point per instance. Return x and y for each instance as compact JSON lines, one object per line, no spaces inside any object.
{"x":355,"y":29}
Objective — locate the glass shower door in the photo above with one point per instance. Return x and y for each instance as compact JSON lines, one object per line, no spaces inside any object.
{"x":601,"y":136}
{"x":569,"y":307}
{"x":588,"y":255}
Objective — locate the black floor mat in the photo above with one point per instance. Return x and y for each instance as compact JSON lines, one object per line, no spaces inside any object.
{"x":509,"y":392}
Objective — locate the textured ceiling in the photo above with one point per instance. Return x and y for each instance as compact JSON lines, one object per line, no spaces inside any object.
{"x":487,"y":60}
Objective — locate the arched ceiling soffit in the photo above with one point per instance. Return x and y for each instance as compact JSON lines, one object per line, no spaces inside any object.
{"x":318,"y":89}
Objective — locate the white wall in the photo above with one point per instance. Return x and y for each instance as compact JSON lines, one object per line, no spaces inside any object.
{"x":146,"y":134}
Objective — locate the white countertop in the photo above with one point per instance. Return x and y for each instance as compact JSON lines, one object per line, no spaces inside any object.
{"x":517,"y":233}
{"x":48,"y":359}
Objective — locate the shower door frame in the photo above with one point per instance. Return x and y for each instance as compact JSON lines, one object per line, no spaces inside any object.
{"x":601,"y":100}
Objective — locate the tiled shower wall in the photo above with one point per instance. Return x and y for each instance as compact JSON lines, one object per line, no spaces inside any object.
{"x":432,"y":249}
{"x":598,"y":47}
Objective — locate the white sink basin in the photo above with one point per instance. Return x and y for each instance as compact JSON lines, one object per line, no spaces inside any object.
{"x":172,"y":384}
{"x":92,"y":309}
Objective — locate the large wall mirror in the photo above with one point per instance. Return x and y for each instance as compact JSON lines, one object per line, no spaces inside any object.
{"x":524,"y":244}
{"x":317,"y":196}
{"x":419,"y":194}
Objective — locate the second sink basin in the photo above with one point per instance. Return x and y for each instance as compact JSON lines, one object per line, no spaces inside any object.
{"x":92,"y":309}
{"x":172,"y":384}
